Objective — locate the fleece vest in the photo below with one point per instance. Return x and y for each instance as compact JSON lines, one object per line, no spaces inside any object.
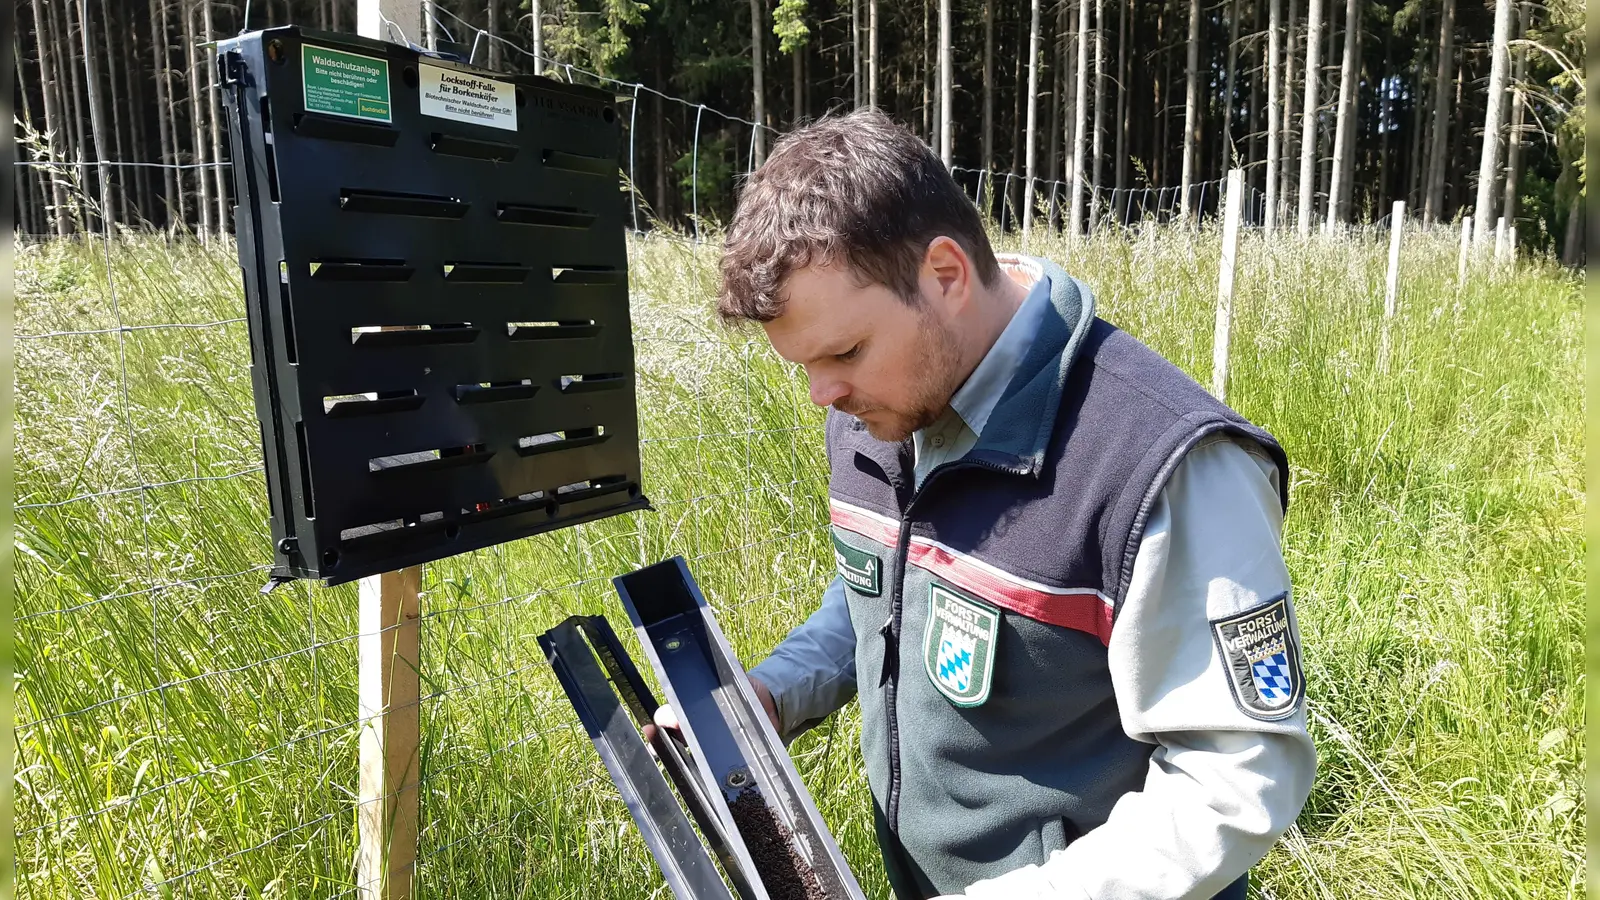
{"x":983,"y":601}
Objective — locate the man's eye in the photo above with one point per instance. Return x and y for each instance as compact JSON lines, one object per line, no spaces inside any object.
{"x":848,"y":355}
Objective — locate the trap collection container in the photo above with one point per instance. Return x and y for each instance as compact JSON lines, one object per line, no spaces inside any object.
{"x":436,"y":282}
{"x":730,"y":769}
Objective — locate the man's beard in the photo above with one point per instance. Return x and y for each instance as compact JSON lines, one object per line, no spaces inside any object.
{"x":937,"y":354}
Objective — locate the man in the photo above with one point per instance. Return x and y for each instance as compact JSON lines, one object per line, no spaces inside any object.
{"x":1060,"y":596}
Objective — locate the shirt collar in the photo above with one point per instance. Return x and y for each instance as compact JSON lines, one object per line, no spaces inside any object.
{"x":976,"y":399}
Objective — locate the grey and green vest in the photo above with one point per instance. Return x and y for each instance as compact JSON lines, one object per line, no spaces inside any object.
{"x":983,"y":601}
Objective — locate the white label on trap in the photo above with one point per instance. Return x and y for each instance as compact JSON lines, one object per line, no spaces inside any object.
{"x":464,"y":97}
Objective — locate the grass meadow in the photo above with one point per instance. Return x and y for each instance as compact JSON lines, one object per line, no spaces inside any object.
{"x":181,"y":735}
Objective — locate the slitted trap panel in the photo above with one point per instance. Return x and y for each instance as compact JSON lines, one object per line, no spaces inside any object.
{"x":436,"y":278}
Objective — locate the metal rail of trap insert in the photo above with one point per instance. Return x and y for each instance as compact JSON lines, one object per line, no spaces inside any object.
{"x":435,"y":271}
{"x":731,"y":748}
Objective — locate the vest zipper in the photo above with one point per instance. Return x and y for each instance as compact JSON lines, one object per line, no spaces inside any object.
{"x":891,"y":629}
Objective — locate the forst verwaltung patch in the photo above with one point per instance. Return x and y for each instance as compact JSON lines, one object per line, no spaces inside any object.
{"x":861,"y":570}
{"x":1262,"y":658}
{"x":958,"y":645}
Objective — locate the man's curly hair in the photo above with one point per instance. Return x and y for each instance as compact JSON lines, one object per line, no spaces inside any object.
{"x":857,"y":189}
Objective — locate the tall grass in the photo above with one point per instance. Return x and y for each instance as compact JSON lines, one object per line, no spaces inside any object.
{"x":179,"y":730}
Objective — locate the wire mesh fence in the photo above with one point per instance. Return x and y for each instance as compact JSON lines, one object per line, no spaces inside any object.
{"x":181,"y":733}
{"x":160,"y":688}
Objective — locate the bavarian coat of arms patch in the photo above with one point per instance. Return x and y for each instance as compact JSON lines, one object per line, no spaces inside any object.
{"x":958,"y":645}
{"x":1263,"y":660}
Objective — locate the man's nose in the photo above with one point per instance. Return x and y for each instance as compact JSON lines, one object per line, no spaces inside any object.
{"x":826,"y":391}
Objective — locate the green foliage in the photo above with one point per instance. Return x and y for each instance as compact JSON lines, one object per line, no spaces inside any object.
{"x":592,"y":34}
{"x":789,"y":24}
{"x":714,"y":176}
{"x":208,"y":733}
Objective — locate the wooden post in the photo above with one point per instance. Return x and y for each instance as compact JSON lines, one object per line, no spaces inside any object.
{"x":1397,"y":221}
{"x":388,"y":654}
{"x":1230,"y":246}
{"x":1501,"y":245}
{"x":1466,"y":248}
{"x":389,"y":649}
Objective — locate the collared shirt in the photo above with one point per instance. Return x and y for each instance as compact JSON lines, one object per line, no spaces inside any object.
{"x":1214,"y":801}
{"x":956,"y":432}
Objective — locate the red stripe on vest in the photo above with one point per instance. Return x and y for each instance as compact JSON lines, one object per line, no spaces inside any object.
{"x":1080,"y":610}
{"x":868,"y":527}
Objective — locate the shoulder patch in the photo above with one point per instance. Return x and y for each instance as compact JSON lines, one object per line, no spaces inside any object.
{"x":958,"y":645}
{"x":1263,"y":660}
{"x":861,"y":570}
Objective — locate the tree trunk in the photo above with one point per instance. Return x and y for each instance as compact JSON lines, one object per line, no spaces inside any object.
{"x":119,"y":187}
{"x":857,"y":83}
{"x":1029,"y":143}
{"x":1385,"y":110}
{"x":1325,"y":131}
{"x":80,"y":130}
{"x":1255,"y":75}
{"x":213,"y":93}
{"x":1016,"y":98}
{"x":158,"y":49}
{"x":1162,"y":91}
{"x":1308,"y":117}
{"x":1514,"y":138}
{"x":138,"y":107}
{"x":1456,"y":156}
{"x":872,"y":53}
{"x":1483,"y":214}
{"x":536,"y":19}
{"x":1274,"y":49}
{"x":1080,"y":110}
{"x":1286,"y":128}
{"x":1419,"y":102}
{"x":947,"y":85}
{"x":197,"y":122}
{"x":1191,"y":111}
{"x":1433,"y":202}
{"x":928,"y":123}
{"x":1572,"y":245}
{"x":758,"y":89}
{"x":1338,"y":214}
{"x":1121,"y":155}
{"x":49,"y":78}
{"x":797,"y":73}
{"x":1097,"y":143}
{"x":662,"y":213}
{"x":988,"y":86}
{"x":97,"y":115}
{"x":180,"y":195}
{"x":493,"y":31}
{"x":23,"y":175}
{"x":1228,"y":154}
{"x":1055,"y":51}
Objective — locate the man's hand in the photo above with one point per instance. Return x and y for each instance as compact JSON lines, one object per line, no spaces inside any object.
{"x":667,"y":718}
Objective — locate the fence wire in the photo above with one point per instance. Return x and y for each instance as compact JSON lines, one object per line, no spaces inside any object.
{"x":181,"y":734}
{"x":136,"y":650}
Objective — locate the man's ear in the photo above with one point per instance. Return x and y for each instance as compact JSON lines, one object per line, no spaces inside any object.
{"x":947,"y":274}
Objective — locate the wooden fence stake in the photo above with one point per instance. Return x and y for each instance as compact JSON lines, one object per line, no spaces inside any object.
{"x":1234,"y":205}
{"x":1397,"y":222}
{"x":389,"y":649}
{"x":1466,"y":248}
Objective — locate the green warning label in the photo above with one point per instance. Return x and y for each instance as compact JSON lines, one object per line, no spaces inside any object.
{"x":345,"y":84}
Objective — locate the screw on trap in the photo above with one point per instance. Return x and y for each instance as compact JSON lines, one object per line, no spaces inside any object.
{"x":435,"y":274}
{"x":730,"y":768}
